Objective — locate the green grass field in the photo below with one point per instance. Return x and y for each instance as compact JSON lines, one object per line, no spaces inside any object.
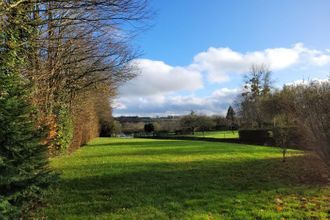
{"x":171,"y":179}
{"x":217,"y":134}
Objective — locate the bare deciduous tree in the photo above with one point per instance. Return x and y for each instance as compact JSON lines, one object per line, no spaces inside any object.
{"x":257,"y":85}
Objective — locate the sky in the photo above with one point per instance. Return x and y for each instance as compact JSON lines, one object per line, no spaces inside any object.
{"x":197,"y":51}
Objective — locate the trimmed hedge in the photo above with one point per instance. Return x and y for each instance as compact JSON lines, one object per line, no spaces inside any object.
{"x":265,"y":137}
{"x":256,"y":136}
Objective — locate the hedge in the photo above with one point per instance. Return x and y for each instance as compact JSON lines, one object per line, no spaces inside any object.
{"x":256,"y":136}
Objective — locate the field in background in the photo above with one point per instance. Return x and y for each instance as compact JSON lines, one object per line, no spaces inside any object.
{"x":172,"y":179}
{"x":217,"y":134}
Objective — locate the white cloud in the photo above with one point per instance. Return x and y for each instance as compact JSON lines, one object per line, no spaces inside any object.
{"x":157,"y":78}
{"x":281,"y":58}
{"x":161,"y":105}
{"x":220,"y":63}
{"x":225,"y":92}
{"x":306,"y":82}
{"x":321,"y":60}
{"x":158,"y":89}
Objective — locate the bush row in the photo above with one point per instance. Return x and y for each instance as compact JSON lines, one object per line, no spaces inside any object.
{"x":265,"y":137}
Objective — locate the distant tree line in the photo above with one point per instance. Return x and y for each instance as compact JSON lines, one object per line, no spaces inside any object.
{"x":293,"y":116}
{"x":60,"y":65}
{"x":186,"y":124}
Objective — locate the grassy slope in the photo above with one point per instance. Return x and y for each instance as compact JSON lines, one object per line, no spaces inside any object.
{"x":217,"y":134}
{"x":162,"y":179}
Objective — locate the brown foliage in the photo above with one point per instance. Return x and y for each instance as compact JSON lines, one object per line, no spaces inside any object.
{"x":89,"y":110}
{"x":81,"y":50}
{"x":307,"y":109}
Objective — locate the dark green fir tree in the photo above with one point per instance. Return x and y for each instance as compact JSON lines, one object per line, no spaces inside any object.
{"x":23,"y":160}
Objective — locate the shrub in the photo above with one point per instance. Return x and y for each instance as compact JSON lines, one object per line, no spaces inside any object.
{"x":148,"y":128}
{"x":256,"y":136}
{"x":23,"y":159}
{"x":65,"y":129}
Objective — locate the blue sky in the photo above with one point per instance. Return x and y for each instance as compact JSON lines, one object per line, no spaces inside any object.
{"x":197,"y":51}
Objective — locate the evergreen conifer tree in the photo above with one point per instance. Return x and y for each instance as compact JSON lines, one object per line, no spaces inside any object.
{"x":23,"y":159}
{"x":231,"y":117}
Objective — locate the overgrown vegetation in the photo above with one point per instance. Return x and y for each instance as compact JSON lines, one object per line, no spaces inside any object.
{"x":296,"y":114}
{"x":60,"y":65}
{"x":306,"y":108}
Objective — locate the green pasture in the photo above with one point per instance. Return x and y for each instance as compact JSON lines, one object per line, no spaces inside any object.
{"x":173,"y":179}
{"x":217,"y":134}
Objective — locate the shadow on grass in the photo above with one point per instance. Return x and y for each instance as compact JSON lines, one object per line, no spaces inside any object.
{"x":173,"y":147}
{"x":176,"y":188}
{"x":181,"y":151}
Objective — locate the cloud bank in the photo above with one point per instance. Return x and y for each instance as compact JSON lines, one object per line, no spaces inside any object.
{"x":162,"y":89}
{"x":160,"y":105}
{"x":157,"y":78}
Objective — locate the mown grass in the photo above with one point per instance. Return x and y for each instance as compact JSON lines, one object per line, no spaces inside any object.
{"x":171,"y":179}
{"x":217,"y":134}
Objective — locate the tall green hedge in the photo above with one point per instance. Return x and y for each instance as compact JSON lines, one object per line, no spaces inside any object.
{"x":65,"y":129}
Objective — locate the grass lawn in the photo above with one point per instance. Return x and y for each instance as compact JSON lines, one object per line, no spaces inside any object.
{"x":172,"y":179}
{"x":217,"y":134}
